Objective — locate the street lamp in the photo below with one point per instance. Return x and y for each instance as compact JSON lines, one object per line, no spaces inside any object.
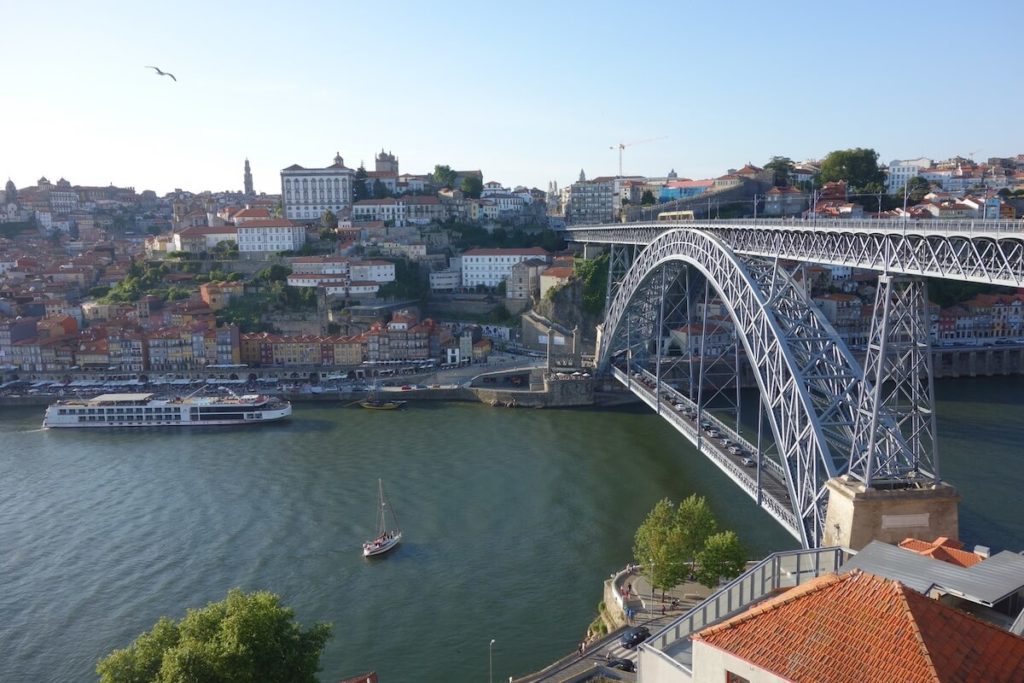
{"x":490,"y":662}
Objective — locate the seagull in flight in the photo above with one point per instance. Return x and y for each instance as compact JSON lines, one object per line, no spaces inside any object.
{"x":163,"y":73}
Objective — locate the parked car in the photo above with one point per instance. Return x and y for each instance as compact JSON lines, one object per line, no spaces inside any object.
{"x":632,"y":637}
{"x":621,"y":664}
{"x":747,"y":462}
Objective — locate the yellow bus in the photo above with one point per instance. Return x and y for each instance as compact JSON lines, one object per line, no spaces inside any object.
{"x":675,"y":216}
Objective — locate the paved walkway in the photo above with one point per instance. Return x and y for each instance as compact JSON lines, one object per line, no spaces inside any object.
{"x":650,"y":610}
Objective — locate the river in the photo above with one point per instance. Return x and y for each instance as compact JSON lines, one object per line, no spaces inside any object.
{"x":512,"y":518}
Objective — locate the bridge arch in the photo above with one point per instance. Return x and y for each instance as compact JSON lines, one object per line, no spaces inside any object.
{"x":808,"y":380}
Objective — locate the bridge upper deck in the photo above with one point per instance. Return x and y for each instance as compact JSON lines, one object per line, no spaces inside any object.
{"x":987,"y":251}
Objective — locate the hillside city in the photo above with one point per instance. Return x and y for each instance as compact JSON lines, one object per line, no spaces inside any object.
{"x":351,"y":266}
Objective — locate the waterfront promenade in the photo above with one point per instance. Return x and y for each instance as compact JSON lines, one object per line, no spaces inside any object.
{"x":629,"y":600}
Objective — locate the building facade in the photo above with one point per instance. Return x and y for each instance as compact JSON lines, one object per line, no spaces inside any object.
{"x":308,"y":192}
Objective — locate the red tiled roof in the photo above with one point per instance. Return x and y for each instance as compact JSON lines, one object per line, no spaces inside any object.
{"x":271,"y":223}
{"x":944,"y":549}
{"x":252,"y":213}
{"x":559,"y":272}
{"x":859,"y":627}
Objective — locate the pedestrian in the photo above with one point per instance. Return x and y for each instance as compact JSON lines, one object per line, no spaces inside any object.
{"x":629,"y":587}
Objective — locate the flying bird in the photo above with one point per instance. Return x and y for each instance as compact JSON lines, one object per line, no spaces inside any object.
{"x":163,"y":73}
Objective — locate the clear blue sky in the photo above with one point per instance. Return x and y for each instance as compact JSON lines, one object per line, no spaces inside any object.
{"x":528,"y":92}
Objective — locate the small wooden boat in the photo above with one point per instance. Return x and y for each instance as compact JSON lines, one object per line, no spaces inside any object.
{"x":380,"y":404}
{"x":386,"y":538}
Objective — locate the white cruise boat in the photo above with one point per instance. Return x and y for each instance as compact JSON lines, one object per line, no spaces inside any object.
{"x":144,"y":410}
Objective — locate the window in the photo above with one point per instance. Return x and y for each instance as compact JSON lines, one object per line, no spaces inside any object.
{"x":730,"y":677}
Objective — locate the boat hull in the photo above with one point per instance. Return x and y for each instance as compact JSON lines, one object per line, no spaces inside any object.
{"x":138,"y":410}
{"x":374,"y":548}
{"x":381,"y":405}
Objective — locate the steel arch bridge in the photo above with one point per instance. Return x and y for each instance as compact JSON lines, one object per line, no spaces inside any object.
{"x":827,"y":416}
{"x":808,"y":383}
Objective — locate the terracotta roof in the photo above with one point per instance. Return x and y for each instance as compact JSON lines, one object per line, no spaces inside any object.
{"x":859,"y":627}
{"x":944,"y":549}
{"x":559,"y":272}
{"x":271,"y":223}
{"x":252,"y":213}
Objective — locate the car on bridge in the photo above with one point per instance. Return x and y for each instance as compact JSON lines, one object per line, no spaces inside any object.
{"x":747,"y":462}
{"x":632,"y":637}
{"x":621,"y":664}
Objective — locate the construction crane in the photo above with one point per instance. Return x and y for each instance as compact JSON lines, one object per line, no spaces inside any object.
{"x":623,"y":145}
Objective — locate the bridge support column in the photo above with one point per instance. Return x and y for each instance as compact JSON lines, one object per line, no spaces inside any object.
{"x":857,"y":515}
{"x":893,"y":490}
{"x":897,"y":385}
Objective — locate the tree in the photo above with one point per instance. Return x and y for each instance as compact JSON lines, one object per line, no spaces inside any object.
{"x":329,"y":220}
{"x":359,"y":189}
{"x":472,"y":186}
{"x":647,"y":198}
{"x":916,"y":188}
{"x":858,"y":167}
{"x":243,"y":638}
{"x":780,"y":169}
{"x":696,"y":524}
{"x":657,"y":547}
{"x":723,"y":557}
{"x":444,"y":176}
{"x":380,"y":190}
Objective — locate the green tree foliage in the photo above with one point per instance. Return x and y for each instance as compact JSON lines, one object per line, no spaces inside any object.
{"x":380,"y":190}
{"x":916,"y":188}
{"x":444,"y":176}
{"x":594,"y":275}
{"x":722,"y":557}
{"x":858,"y":167}
{"x":274,"y":273}
{"x":780,"y":169}
{"x":469,"y":235}
{"x":682,"y":542}
{"x":647,"y":198}
{"x":245,"y":638}
{"x":360,"y":190}
{"x":328,"y":220}
{"x":658,"y":548}
{"x":409,"y":282}
{"x":696,"y":524}
{"x":472,"y":186}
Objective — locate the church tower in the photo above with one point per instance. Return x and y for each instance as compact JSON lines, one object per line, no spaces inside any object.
{"x":248,"y":180}
{"x":10,"y":192}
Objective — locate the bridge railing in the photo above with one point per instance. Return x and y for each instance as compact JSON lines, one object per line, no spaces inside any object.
{"x":706,"y":446}
{"x":967,"y":226}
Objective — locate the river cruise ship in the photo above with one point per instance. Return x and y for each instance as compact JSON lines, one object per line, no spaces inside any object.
{"x":145,"y":410}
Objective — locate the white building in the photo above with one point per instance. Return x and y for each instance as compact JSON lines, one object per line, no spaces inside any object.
{"x":270,"y":236}
{"x":308,"y":192}
{"x":401,"y":211}
{"x":902,"y":170}
{"x":445,"y":280}
{"x":319,"y":265}
{"x":490,"y":267}
{"x":372,"y":271}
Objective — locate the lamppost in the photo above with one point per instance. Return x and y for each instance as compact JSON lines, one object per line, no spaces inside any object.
{"x":490,"y":662}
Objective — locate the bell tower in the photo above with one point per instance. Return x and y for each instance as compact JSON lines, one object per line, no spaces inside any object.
{"x":248,"y":180}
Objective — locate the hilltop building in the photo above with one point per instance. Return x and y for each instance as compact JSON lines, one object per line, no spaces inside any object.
{"x":307,"y":192}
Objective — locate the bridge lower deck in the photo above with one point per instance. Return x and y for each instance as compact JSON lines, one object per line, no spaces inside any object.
{"x":761,"y":478}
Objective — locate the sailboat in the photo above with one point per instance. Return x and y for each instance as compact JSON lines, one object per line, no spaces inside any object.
{"x":386,"y":538}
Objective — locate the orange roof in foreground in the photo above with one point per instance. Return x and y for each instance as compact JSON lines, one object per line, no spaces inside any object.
{"x":944,"y":549}
{"x":858,"y":627}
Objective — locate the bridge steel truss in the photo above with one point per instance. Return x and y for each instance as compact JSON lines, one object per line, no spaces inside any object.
{"x":989,"y":252}
{"x":810,"y":385}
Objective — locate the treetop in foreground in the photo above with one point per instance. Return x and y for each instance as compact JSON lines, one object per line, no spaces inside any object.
{"x":245,"y":638}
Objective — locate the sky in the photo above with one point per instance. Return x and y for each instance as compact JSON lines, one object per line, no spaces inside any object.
{"x":527,"y":92}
